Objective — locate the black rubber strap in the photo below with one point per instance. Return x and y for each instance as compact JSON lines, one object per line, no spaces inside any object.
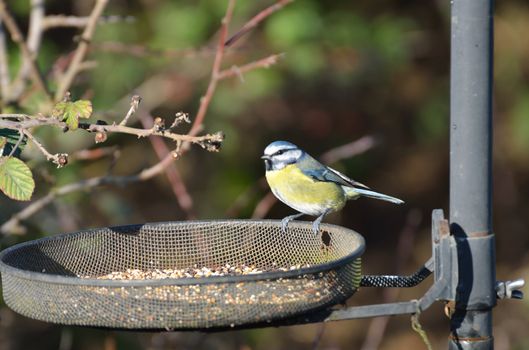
{"x":395,"y":281}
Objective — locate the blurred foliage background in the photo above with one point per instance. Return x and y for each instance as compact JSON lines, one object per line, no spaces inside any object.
{"x":350,"y":69}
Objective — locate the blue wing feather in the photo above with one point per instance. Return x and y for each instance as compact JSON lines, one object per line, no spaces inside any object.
{"x":311,"y":167}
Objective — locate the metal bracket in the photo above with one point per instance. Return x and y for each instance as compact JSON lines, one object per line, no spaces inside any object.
{"x":444,"y":265}
{"x":509,"y":289}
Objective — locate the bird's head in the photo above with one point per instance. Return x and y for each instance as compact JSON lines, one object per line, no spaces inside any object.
{"x":279,"y":154}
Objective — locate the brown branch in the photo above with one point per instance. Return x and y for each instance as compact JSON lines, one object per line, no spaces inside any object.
{"x":134,"y":104}
{"x":33,"y":42}
{"x":28,"y":122}
{"x":4,"y":66}
{"x":57,"y":21}
{"x":93,"y":154}
{"x":12,"y":226}
{"x":349,"y":150}
{"x":17,"y":37}
{"x":171,"y":172}
{"x":377,"y":327}
{"x":58,"y":158}
{"x":239,"y":71}
{"x":263,"y":207}
{"x":206,"y":99}
{"x":144,"y":51}
{"x":80,"y":53}
{"x":253,"y":22}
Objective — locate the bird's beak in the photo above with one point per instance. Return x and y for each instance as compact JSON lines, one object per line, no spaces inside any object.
{"x":265,"y":157}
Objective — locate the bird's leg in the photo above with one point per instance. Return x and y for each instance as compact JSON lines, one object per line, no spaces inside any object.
{"x":286,"y":220}
{"x":317,"y":222}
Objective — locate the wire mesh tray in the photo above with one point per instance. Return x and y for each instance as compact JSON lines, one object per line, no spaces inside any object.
{"x":56,"y":280}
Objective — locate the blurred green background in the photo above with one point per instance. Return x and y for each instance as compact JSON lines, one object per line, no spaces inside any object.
{"x":351,"y":69}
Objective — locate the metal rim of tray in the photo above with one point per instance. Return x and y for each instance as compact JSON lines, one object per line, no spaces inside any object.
{"x":274,"y":275}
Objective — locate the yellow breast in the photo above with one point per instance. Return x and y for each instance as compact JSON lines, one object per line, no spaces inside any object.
{"x":303,"y":193}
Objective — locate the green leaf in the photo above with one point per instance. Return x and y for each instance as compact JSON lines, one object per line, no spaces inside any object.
{"x":70,"y":112}
{"x":16,"y":180}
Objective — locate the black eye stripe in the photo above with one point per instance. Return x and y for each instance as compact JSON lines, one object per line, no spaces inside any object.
{"x":281,"y":151}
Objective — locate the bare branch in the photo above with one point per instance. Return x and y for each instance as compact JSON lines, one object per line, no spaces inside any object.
{"x":4,"y":66}
{"x":33,"y":42}
{"x":263,"y":207}
{"x":92,"y":154}
{"x":239,"y":71}
{"x":348,"y":150}
{"x":60,"y":159}
{"x":20,"y":138}
{"x":377,"y":326}
{"x":210,"y":142}
{"x":252,"y":23}
{"x":134,"y":104}
{"x":173,"y":175}
{"x":206,"y":99}
{"x":17,"y":37}
{"x":144,"y":51}
{"x":80,"y":53}
{"x":12,"y":226}
{"x":57,"y":21}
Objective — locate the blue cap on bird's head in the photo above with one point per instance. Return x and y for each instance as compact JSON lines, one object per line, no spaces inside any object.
{"x":279,"y":154}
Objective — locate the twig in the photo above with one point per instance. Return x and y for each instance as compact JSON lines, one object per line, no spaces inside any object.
{"x":13,"y":224}
{"x":206,"y":99}
{"x":92,"y":154}
{"x":173,"y":175}
{"x":80,"y":53}
{"x":60,"y":159}
{"x":17,"y":37}
{"x":4,"y":66}
{"x":33,"y":42}
{"x":134,"y":104}
{"x":86,"y":65}
{"x":349,"y":150}
{"x":144,"y":51}
{"x":263,"y":207}
{"x":20,"y":138}
{"x":55,"y":21}
{"x":244,"y":198}
{"x":29,"y":122}
{"x":238,"y":71}
{"x":319,"y":335}
{"x":253,"y":22}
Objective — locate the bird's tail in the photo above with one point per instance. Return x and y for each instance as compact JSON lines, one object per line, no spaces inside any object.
{"x":354,"y":193}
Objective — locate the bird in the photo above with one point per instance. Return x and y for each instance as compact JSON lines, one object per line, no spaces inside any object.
{"x":309,"y":187}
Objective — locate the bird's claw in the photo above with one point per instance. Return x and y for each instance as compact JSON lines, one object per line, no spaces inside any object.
{"x":284,"y":224}
{"x":317,"y":222}
{"x":286,"y":220}
{"x":316,"y":226}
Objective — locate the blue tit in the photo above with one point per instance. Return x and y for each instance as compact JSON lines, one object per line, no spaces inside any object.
{"x":311,"y":188}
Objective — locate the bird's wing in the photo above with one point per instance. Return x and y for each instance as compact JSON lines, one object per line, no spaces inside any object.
{"x":338,"y":177}
{"x":320,"y":172}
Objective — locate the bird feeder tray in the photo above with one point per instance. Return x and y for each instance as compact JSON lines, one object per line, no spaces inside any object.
{"x":182,"y":275}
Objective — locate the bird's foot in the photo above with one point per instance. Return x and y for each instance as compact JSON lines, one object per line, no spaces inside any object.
{"x":316,"y":226}
{"x":286,"y":220}
{"x":317,"y":222}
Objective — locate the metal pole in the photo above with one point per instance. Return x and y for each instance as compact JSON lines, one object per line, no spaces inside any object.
{"x":470,"y":172}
